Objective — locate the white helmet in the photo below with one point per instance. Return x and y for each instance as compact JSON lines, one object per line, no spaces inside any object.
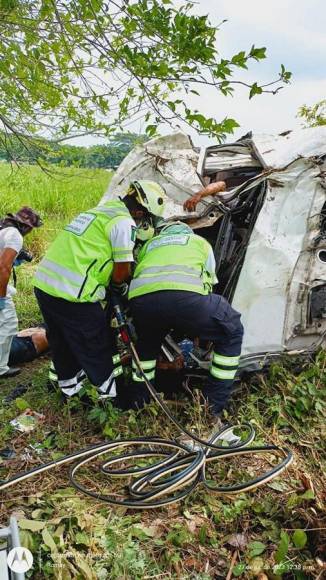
{"x":150,"y":195}
{"x":175,"y":228}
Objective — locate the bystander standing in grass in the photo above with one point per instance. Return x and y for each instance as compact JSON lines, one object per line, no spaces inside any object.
{"x":12,"y":230}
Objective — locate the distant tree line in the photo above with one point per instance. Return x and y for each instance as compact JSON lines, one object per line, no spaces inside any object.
{"x":108,"y":155}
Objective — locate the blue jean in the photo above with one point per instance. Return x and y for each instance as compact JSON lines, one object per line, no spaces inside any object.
{"x":22,"y":350}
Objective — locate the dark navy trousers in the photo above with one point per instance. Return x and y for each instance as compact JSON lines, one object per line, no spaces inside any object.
{"x":80,"y":338}
{"x":194,"y":315}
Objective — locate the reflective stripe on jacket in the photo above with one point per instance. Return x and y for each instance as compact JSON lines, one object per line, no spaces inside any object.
{"x":172,"y":262}
{"x":78,"y":265}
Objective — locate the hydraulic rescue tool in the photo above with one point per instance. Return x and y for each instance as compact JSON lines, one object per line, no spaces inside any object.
{"x":179,"y":468}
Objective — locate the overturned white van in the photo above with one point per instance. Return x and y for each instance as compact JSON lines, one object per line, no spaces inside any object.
{"x":268,"y":230}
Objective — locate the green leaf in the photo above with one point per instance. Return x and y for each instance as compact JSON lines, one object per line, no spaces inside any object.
{"x":229,"y":125}
{"x":178,"y":536}
{"x":49,"y":541}
{"x":27,"y":540}
{"x":21,"y":404}
{"x":309,"y":494}
{"x":108,"y":431}
{"x":256,"y":548}
{"x":83,"y":566}
{"x":240,"y":59}
{"x":295,"y":499}
{"x":82,"y":538}
{"x":239,"y":569}
{"x":255,"y":90}
{"x":283,"y":548}
{"x":299,"y":538}
{"x":285,"y":74}
{"x":202,"y":535}
{"x":257,"y":53}
{"x":278,"y":485}
{"x":32,"y":525}
{"x":151,"y":130}
{"x":141,"y":532}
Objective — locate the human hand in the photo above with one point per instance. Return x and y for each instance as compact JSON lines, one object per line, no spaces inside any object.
{"x":191,"y":203}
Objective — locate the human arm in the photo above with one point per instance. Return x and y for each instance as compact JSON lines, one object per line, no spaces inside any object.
{"x":211,"y":189}
{"x":210,"y":265}
{"x":121,"y":272}
{"x":122,"y":238}
{"x":7,"y":258}
{"x":11,"y":243}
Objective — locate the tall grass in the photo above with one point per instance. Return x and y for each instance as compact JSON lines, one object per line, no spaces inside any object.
{"x":57,"y":196}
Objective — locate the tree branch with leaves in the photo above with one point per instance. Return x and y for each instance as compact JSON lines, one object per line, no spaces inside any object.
{"x":315,"y":115}
{"x":72,"y":67}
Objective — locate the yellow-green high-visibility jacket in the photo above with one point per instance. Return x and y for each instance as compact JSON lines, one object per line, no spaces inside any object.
{"x":172,"y":262}
{"x":78,"y":265}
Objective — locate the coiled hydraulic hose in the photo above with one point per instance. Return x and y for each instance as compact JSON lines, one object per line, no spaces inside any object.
{"x":177,"y":472}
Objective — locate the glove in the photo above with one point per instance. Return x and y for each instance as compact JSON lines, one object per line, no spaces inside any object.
{"x":3,"y":301}
{"x":120,"y":289}
{"x":118,"y":295}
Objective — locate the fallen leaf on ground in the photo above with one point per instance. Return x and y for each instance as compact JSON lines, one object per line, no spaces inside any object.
{"x":239,"y":541}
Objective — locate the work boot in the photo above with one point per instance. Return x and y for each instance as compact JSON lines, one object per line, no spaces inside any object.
{"x":10,"y":373}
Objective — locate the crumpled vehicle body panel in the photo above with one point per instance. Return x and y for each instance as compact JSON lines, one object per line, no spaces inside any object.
{"x":268,"y":230}
{"x":281,"y":265}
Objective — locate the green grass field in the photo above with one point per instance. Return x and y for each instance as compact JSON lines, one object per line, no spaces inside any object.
{"x":57,"y":196}
{"x":275,"y":532}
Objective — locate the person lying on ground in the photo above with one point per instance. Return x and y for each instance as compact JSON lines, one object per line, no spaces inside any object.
{"x":27,"y":345}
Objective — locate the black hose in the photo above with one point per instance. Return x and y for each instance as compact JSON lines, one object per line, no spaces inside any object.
{"x":176,"y":474}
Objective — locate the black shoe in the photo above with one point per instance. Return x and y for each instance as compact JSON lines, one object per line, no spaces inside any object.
{"x":7,"y":453}
{"x":11,"y":372}
{"x":15,"y":393}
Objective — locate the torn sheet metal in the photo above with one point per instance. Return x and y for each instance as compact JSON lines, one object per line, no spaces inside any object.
{"x":280,"y":150}
{"x":218,"y":158}
{"x":277,"y":266}
{"x":171,"y":161}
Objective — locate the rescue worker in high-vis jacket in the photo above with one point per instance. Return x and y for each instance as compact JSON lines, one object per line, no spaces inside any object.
{"x":72,"y":280}
{"x":172,"y":289}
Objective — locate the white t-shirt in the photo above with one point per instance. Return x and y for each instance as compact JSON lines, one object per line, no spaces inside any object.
{"x":122,"y":238}
{"x":211,"y":265}
{"x":10,"y":238}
